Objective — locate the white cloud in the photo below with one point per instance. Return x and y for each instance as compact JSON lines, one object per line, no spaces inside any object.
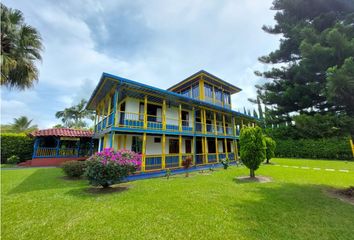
{"x":156,"y":42}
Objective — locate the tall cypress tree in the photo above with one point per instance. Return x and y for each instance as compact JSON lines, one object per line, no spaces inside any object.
{"x":317,"y":36}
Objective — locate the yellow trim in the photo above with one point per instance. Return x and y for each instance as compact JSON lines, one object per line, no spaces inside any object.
{"x":215,"y":125}
{"x":204,"y":123}
{"x":164,"y":114}
{"x":180,"y":117}
{"x":180,"y":150}
{"x":217,"y":149}
{"x":224,"y":125}
{"x":226,"y":153}
{"x":143,"y":153}
{"x":206,"y":149}
{"x":201,"y":88}
{"x":163,"y":159}
{"x":193,"y":118}
{"x":203,"y":149}
{"x":145,"y":111}
{"x":235,"y":150}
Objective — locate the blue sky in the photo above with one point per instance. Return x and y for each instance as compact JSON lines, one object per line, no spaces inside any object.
{"x":157,"y":42}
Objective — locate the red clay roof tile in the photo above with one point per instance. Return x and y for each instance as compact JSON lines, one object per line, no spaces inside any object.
{"x":62,"y":132}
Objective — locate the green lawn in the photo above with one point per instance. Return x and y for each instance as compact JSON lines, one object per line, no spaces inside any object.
{"x":39,"y":204}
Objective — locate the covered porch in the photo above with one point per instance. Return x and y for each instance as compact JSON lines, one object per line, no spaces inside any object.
{"x":55,"y":146}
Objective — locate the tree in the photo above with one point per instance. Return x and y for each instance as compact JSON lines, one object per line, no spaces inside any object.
{"x":317,"y":36}
{"x":73,"y":117}
{"x":340,"y":86}
{"x":20,"y":49}
{"x":255,"y":113}
{"x":22,"y":124}
{"x":270,"y":148}
{"x":252,"y":148}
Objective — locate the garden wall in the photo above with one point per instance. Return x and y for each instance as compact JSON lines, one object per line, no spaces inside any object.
{"x":16,"y":144}
{"x":326,"y":148}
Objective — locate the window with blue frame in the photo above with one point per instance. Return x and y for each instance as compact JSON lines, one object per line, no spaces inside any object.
{"x":208,"y":90}
{"x":218,"y":94}
{"x":227,"y":98}
{"x":186,"y":92}
{"x":195,"y":91}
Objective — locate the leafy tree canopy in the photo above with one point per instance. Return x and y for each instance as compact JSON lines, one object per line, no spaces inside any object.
{"x":313,"y":59}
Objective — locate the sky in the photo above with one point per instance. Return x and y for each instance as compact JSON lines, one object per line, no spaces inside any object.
{"x":156,"y":42}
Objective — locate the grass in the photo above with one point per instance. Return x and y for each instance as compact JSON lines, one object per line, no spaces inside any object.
{"x":6,"y":165}
{"x":40,"y":204}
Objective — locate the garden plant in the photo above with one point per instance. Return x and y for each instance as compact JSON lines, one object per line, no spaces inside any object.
{"x":270,"y":148}
{"x":187,"y":163}
{"x":253,"y":147}
{"x":74,"y":169}
{"x":110,"y":167}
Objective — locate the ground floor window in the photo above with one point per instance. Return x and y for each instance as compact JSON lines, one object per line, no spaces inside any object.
{"x":173,"y":146}
{"x":137,"y":144}
{"x":188,"y":143}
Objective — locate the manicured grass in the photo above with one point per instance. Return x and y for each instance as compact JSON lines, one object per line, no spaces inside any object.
{"x":6,"y":165}
{"x":39,"y":204}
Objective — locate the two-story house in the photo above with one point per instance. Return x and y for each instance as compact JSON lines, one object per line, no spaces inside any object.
{"x":192,"y":118}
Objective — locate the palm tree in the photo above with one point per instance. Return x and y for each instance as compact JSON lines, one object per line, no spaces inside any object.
{"x":73,"y":117}
{"x":20,"y":48}
{"x":22,"y":124}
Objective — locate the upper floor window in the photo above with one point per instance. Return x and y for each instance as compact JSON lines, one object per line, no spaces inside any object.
{"x":227,"y":99}
{"x":195,"y":91}
{"x":208,"y":91}
{"x":186,"y":92}
{"x":218,"y":94}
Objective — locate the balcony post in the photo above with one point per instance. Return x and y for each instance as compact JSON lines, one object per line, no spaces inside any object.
{"x":226,"y":153}
{"x":109,"y":110}
{"x":145,"y":112}
{"x":213,"y":94}
{"x":193,"y":117}
{"x":224,"y":125}
{"x":164,"y":114}
{"x":204,"y":121}
{"x":180,"y":150}
{"x":163,"y":158}
{"x":203,"y":149}
{"x":215,"y":125}
{"x":115,"y":106}
{"x":206,"y":149}
{"x":180,"y":117}
{"x":201,"y":88}
{"x":57,"y":152}
{"x":143,"y":153}
{"x":217,"y":149}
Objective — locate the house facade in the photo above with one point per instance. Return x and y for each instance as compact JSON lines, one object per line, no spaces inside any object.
{"x":193,"y":118}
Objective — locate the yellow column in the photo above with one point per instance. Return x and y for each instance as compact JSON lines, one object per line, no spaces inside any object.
{"x":193,"y":119}
{"x":217,"y":149}
{"x":224,"y":125}
{"x":164,"y":114}
{"x":206,"y":149}
{"x":109,"y":110}
{"x":215,"y":125}
{"x":201,"y":88}
{"x":163,"y":158}
{"x":125,"y":141}
{"x":180,"y":150}
{"x":204,"y":118}
{"x":203,"y":150}
{"x":143,"y":153}
{"x":213,"y":94}
{"x":233,"y":126}
{"x":226,"y":150}
{"x":236,"y":150}
{"x":145,"y":112}
{"x":180,"y":117}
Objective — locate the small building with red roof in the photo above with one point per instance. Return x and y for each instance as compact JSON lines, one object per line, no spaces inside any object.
{"x":56,"y":145}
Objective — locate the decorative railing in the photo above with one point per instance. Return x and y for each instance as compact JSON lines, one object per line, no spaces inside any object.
{"x":212,"y":158}
{"x":172,"y":161}
{"x":50,"y":152}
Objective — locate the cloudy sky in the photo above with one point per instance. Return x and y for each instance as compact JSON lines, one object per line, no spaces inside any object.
{"x":157,"y":42}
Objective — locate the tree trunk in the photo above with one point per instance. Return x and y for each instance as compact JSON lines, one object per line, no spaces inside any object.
{"x":252,"y":175}
{"x":267,"y":161}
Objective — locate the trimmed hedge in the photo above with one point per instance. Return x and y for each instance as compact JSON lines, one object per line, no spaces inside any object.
{"x":326,"y":148}
{"x":16,"y":144}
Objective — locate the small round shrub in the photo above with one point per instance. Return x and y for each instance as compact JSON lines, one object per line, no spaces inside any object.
{"x":109,"y":167}
{"x":74,"y":168}
{"x":14,"y":159}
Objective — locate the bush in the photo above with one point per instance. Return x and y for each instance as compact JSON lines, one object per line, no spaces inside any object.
{"x":270,"y":148}
{"x":16,"y":144}
{"x":13,"y":159}
{"x":326,"y":148}
{"x":253,"y":146}
{"x":109,"y":167}
{"x":225,"y":162}
{"x":74,"y":168}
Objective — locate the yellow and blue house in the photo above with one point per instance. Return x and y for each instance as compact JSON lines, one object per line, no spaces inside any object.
{"x":193,"y":118}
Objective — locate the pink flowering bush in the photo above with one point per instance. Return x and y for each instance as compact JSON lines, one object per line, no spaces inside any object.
{"x":110,"y":167}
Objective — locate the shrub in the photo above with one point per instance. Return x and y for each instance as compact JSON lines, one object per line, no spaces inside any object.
{"x":187,"y":163}
{"x":225,"y":162}
{"x":74,"y":168}
{"x":13,"y":159}
{"x":16,"y":144}
{"x":270,"y":148}
{"x":109,"y":167}
{"x":326,"y":148}
{"x":252,"y":150}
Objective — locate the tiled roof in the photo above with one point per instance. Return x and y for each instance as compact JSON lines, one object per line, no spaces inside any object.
{"x":62,"y":132}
